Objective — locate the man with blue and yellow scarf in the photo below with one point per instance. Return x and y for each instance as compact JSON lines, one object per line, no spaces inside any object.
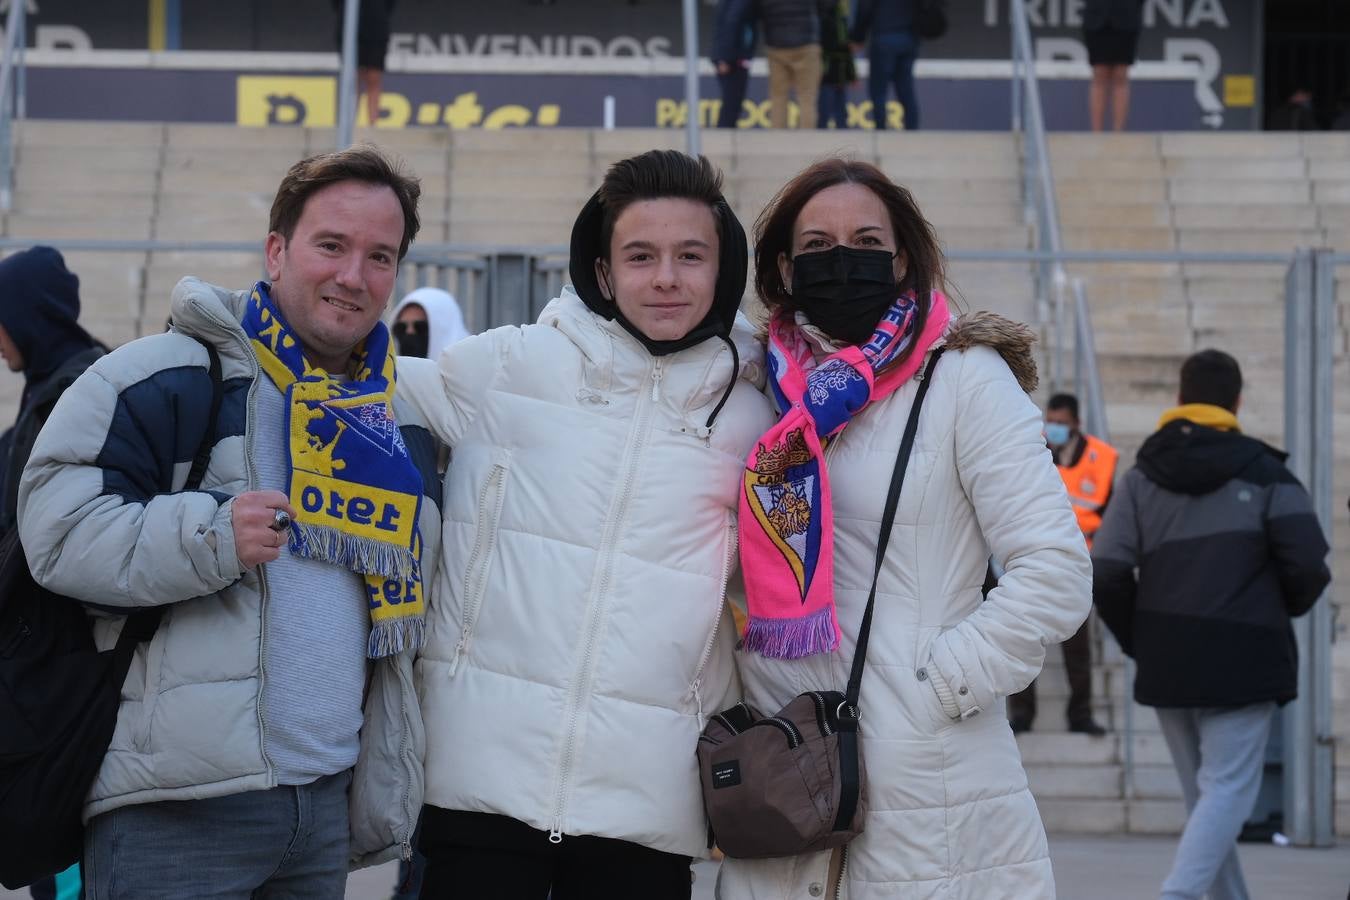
{"x":269,"y":736}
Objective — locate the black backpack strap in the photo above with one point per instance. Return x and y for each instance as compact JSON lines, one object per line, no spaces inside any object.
{"x":848,"y":712}
{"x":141,"y":625}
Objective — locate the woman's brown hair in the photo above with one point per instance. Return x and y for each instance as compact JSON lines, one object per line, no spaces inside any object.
{"x":914,"y":236}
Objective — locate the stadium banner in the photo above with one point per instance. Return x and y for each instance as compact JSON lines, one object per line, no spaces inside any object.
{"x":556,"y":62}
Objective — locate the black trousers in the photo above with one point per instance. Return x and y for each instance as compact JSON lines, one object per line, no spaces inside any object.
{"x":733,"y":86}
{"x":1078,"y":668}
{"x":473,"y":855}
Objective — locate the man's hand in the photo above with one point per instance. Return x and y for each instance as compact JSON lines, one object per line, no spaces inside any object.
{"x":253,"y":516}
{"x":723,"y":67}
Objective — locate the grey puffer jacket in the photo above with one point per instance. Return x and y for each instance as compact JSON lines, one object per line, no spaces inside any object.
{"x":104,"y":519}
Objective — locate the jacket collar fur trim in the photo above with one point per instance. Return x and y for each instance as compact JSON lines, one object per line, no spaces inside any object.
{"x":1011,"y":339}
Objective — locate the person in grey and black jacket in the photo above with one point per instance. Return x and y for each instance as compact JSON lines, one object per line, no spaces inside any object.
{"x":1227,"y":549}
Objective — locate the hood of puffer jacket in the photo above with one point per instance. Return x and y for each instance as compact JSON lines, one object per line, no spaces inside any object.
{"x":599,"y":338}
{"x":1187,"y":458}
{"x":39,"y":306}
{"x":733,"y":259}
{"x":445,"y":320}
{"x":1011,"y":339}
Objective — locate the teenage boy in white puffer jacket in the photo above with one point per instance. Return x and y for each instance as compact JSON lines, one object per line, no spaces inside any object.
{"x":579,"y":633}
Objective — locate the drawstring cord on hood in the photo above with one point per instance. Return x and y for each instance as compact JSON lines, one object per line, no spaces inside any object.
{"x":731,"y":385}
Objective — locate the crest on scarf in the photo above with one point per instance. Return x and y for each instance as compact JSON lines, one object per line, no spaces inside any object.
{"x":783,"y":490}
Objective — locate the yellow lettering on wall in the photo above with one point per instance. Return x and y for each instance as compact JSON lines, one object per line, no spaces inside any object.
{"x":754,"y":115}
{"x":548,"y":115}
{"x":1239,"y":90}
{"x":505,"y":116}
{"x":395,"y":111}
{"x":262,"y":100}
{"x":428,"y":113}
{"x":669,"y":114}
{"x":464,"y":112}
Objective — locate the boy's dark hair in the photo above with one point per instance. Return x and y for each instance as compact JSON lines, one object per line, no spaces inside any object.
{"x":1064,"y":401}
{"x":1213,"y":377}
{"x":362,"y":163}
{"x":654,"y":175}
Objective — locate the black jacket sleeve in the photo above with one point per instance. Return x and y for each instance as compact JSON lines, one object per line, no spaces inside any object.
{"x":1297,"y":546}
{"x":862,"y":23}
{"x":1115,"y":555}
{"x":733,"y":17}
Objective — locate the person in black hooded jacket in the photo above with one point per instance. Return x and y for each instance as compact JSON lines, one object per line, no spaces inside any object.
{"x":1227,"y":549}
{"x":40,"y":337}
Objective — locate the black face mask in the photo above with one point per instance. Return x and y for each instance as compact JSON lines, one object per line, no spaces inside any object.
{"x":844,"y":291}
{"x":414,"y":338}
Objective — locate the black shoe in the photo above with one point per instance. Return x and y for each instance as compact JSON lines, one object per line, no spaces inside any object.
{"x":1019,"y":724}
{"x":1086,"y":726}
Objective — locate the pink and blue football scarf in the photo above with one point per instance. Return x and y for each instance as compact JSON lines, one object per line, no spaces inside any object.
{"x":787,"y":524}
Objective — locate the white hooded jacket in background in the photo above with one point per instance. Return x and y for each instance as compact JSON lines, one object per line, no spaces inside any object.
{"x":445,"y":320}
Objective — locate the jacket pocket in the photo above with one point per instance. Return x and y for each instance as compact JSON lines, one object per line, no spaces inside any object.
{"x":153,"y":653}
{"x":491,"y":499}
{"x":728,"y":564}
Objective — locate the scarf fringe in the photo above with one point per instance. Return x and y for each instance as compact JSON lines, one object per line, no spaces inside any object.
{"x":369,"y":557}
{"x":793,"y":638}
{"x":395,"y":636}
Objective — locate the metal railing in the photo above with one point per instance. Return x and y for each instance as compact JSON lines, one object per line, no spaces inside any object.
{"x":12,"y":89}
{"x":1041,"y":207}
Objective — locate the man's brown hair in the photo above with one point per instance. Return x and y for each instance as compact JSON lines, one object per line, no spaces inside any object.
{"x":363,"y":163}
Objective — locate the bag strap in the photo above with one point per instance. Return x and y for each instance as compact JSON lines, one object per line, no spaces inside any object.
{"x":887,"y":520}
{"x":850,"y":774}
{"x":142,"y":624}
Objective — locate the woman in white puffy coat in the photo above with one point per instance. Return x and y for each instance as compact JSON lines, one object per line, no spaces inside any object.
{"x":576,"y":625}
{"x":949,"y":813}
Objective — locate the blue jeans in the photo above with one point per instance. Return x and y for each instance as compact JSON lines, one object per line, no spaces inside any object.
{"x":289,"y":842}
{"x":832,"y":104}
{"x":891,"y":60}
{"x":1219,"y":755}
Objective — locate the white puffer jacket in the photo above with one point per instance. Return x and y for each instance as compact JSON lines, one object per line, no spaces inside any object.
{"x":577,"y":636}
{"x":949,"y":814}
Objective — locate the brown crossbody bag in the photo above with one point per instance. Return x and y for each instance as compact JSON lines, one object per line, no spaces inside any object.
{"x":794,"y":782}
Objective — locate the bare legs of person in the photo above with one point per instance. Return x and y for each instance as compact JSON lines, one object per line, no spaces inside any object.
{"x":369,"y":83}
{"x":1109,"y":84}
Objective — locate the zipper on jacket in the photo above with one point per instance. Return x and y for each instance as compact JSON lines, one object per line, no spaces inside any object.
{"x":656,"y":379}
{"x":843,"y":867}
{"x":695,"y":687}
{"x":475,"y":574}
{"x":793,"y":735}
{"x":264,"y":592}
{"x":582,"y":683}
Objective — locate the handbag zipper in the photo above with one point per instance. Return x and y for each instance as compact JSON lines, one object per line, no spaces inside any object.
{"x":794,"y":736}
{"x":822,"y":717}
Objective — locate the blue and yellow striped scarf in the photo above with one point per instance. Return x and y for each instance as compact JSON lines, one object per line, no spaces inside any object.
{"x":356,"y":492}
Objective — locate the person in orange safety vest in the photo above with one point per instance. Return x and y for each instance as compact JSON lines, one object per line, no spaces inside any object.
{"x":1088,"y":467}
